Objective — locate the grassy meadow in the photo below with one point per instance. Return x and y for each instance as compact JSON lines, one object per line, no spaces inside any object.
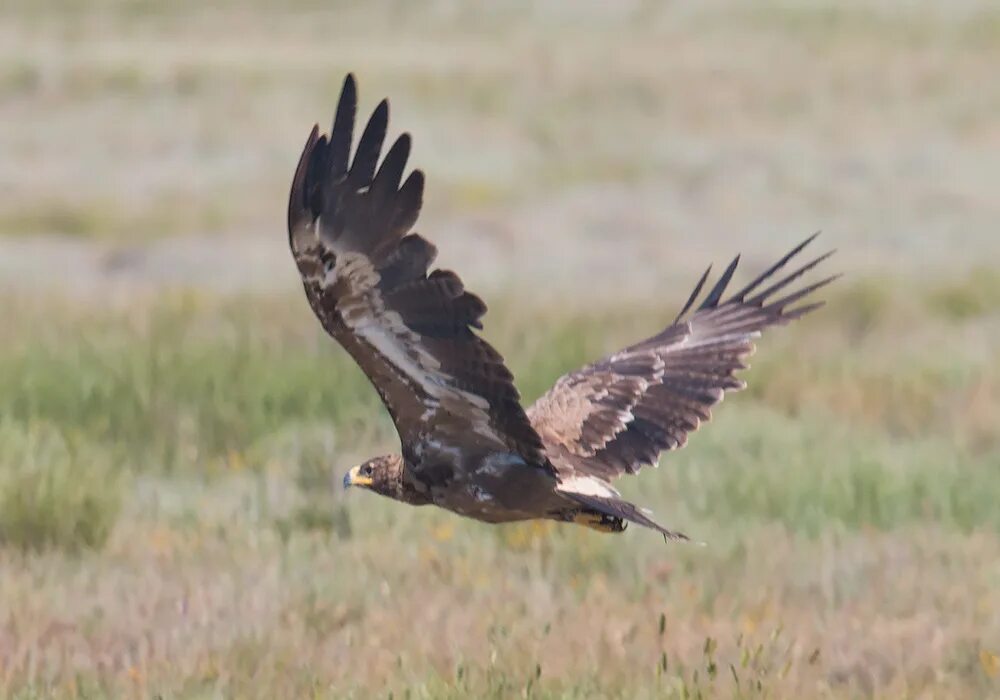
{"x":174,"y":424}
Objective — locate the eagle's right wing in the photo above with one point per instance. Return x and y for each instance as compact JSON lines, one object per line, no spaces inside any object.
{"x":411,"y":330}
{"x":616,"y":415}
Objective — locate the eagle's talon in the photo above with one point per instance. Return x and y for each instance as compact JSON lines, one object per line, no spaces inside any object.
{"x":599,"y":521}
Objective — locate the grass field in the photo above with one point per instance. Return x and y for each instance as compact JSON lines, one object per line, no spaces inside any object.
{"x":174,"y":425}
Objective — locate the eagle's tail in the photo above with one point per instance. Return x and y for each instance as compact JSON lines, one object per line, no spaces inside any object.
{"x":622,"y":510}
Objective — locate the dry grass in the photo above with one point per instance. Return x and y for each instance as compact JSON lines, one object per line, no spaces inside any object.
{"x":173,"y":422}
{"x":234,"y":609}
{"x":848,"y":501}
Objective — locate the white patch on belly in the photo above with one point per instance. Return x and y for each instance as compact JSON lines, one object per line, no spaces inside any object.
{"x":587,"y":486}
{"x":363,"y":311}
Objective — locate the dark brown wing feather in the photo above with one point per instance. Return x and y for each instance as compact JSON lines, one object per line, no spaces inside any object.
{"x":366,"y":278}
{"x":616,"y":415}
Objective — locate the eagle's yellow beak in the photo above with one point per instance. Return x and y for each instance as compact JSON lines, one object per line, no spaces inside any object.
{"x":354,"y":478}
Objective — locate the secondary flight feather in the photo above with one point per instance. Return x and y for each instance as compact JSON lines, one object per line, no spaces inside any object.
{"x":467,"y":444}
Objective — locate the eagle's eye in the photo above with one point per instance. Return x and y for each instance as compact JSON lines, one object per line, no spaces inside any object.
{"x":366,"y":470}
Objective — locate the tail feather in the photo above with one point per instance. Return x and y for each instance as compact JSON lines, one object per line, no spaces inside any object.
{"x":619,"y":508}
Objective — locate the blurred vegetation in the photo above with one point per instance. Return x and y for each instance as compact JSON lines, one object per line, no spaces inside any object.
{"x":208,"y":435}
{"x":847,"y":428}
{"x":54,"y":493}
{"x":171,"y":522}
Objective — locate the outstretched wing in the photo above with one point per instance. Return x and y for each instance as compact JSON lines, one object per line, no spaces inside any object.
{"x":367,"y":280}
{"x":616,"y":415}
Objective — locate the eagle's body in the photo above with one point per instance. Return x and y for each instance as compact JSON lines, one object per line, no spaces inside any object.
{"x":497,"y":487}
{"x":467,"y":444}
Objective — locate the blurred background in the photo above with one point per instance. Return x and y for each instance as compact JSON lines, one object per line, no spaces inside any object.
{"x":173,"y":421}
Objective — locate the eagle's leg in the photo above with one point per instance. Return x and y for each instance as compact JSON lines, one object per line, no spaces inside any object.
{"x":599,"y":521}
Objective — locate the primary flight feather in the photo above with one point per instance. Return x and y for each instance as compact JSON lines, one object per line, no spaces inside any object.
{"x":467,"y":443}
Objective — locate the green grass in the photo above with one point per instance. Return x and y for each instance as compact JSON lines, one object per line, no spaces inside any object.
{"x":171,"y":522}
{"x":975,"y":295}
{"x":847,"y":22}
{"x":168,"y":213}
{"x":185,"y":383}
{"x":54,"y":493}
{"x":838,"y":428}
{"x":169,"y":503}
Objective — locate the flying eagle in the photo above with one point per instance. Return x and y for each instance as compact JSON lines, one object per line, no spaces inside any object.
{"x":467,"y":443}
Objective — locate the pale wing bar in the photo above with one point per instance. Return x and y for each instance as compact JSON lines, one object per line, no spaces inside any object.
{"x":368,"y":280}
{"x":618,"y":414}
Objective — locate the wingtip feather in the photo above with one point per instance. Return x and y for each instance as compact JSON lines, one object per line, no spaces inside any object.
{"x":297,"y":195}
{"x":762,"y":296}
{"x":741,"y":295}
{"x":370,"y":146}
{"x":714,"y":296}
{"x":781,"y":304}
{"x":694,"y":294}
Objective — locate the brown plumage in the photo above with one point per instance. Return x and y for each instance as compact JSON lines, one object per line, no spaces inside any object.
{"x":467,"y":444}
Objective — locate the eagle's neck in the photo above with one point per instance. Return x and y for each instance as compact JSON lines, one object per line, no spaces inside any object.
{"x":403,"y":486}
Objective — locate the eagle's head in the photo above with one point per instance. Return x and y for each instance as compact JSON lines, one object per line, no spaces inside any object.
{"x":383,"y":475}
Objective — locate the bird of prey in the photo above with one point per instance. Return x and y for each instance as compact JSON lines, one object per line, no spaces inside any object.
{"x":467,"y":444}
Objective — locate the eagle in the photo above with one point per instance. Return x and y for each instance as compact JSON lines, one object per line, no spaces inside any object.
{"x":467,"y":444}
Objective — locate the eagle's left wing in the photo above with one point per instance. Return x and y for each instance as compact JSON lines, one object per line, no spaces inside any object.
{"x":368,"y":281}
{"x":616,"y":415}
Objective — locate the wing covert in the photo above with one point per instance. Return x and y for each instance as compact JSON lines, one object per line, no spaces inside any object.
{"x":616,"y":415}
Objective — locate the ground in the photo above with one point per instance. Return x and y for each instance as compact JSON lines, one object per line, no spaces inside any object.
{"x":175,"y":425}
